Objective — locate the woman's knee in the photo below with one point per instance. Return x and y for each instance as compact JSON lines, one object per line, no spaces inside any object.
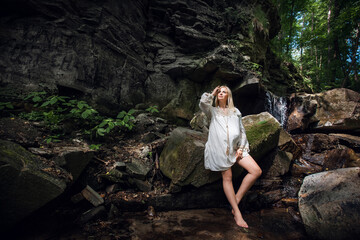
{"x":257,"y":172}
{"x":227,"y":176}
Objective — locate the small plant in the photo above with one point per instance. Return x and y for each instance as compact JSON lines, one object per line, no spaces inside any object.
{"x":123,"y":119}
{"x":36,"y":97}
{"x":4,"y":105}
{"x":53,"y":138}
{"x":257,"y":68}
{"x":56,"y":110}
{"x":153,"y":109}
{"x":95,"y":146}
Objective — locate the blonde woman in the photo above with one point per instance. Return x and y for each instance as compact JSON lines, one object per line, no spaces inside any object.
{"x":227,"y":144}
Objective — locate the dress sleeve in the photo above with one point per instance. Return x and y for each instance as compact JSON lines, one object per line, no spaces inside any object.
{"x":205,"y":103}
{"x":243,"y":143}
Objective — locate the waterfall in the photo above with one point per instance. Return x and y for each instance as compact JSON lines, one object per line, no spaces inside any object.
{"x":277,"y":106}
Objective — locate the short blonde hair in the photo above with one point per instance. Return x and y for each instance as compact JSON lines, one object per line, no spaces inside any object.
{"x":229,"y":102}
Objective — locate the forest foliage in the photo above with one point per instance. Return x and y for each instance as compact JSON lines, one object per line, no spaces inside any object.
{"x":322,"y":38}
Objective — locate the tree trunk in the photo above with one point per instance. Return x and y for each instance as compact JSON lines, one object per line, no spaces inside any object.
{"x":329,"y":60}
{"x":336,"y":57}
{"x":292,"y":19}
{"x":354,"y":48}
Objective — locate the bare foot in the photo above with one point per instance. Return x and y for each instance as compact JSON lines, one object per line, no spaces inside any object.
{"x":240,"y":221}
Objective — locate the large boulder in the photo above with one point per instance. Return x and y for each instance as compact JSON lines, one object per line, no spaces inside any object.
{"x":182,"y":159}
{"x":26,"y":183}
{"x":262,"y":131}
{"x":329,"y":204}
{"x":337,"y":109}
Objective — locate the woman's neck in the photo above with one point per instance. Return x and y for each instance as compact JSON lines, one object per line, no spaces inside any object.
{"x":222,"y":105}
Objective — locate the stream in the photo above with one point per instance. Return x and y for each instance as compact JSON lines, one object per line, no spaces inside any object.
{"x":212,"y":223}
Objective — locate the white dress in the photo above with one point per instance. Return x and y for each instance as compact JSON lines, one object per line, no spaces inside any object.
{"x":219,"y":138}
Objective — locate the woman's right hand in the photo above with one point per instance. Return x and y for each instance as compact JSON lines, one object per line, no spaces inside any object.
{"x":215,"y":91}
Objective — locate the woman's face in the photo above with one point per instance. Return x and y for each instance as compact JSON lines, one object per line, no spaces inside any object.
{"x":223,"y":94}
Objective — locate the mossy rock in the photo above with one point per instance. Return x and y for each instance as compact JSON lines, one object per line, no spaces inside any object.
{"x":25,"y":185}
{"x":182,"y":159}
{"x":262,"y":131}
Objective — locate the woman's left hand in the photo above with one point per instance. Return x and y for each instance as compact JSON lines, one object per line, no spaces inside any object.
{"x":239,"y":154}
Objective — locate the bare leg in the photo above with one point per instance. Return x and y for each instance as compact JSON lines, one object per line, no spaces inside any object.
{"x":254,"y":172}
{"x":230,"y":195}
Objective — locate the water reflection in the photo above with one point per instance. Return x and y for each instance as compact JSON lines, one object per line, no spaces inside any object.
{"x":215,"y":224}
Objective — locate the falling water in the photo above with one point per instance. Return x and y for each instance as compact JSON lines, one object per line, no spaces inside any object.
{"x":277,"y":106}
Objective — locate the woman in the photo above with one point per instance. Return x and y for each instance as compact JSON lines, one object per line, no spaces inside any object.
{"x":227,"y":144}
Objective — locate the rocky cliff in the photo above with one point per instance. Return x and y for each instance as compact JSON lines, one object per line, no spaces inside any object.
{"x":120,"y":54}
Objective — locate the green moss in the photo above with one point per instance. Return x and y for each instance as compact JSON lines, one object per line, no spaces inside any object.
{"x":262,"y":136}
{"x":259,"y":131}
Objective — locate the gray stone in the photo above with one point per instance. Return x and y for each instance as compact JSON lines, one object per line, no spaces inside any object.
{"x":280,"y":165}
{"x":75,"y":159}
{"x":92,"y":196}
{"x":143,"y":186}
{"x":25,"y":185}
{"x":92,"y":214}
{"x":138,"y":168}
{"x":329,"y":204}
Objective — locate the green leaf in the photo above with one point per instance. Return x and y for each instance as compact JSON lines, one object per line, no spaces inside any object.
{"x":101,"y":131}
{"x":37,"y":99}
{"x":121,"y":114}
{"x":131,"y":111}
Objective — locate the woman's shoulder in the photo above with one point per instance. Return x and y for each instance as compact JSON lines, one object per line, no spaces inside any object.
{"x":237,"y":111}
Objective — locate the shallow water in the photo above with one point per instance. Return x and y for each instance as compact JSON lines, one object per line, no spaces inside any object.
{"x":209,"y":224}
{"x":214,"y":224}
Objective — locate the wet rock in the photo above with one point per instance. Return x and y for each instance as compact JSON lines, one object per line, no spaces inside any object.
{"x":215,"y":224}
{"x":279,"y":165}
{"x":92,"y":214}
{"x":329,"y":204}
{"x":26,"y":183}
{"x":143,"y":186}
{"x":271,"y":197}
{"x":92,"y":196}
{"x":138,"y":168}
{"x":113,"y":212}
{"x":115,"y":176}
{"x":348,"y":140}
{"x":353,"y":160}
{"x":302,"y":167}
{"x":325,"y":151}
{"x":74,"y":159}
{"x":286,"y":143}
{"x":336,"y":109}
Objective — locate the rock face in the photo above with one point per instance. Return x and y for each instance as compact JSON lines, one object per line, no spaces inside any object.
{"x":329,"y":203}
{"x":121,"y":53}
{"x":337,"y":109}
{"x":182,"y":159}
{"x":25,"y":184}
